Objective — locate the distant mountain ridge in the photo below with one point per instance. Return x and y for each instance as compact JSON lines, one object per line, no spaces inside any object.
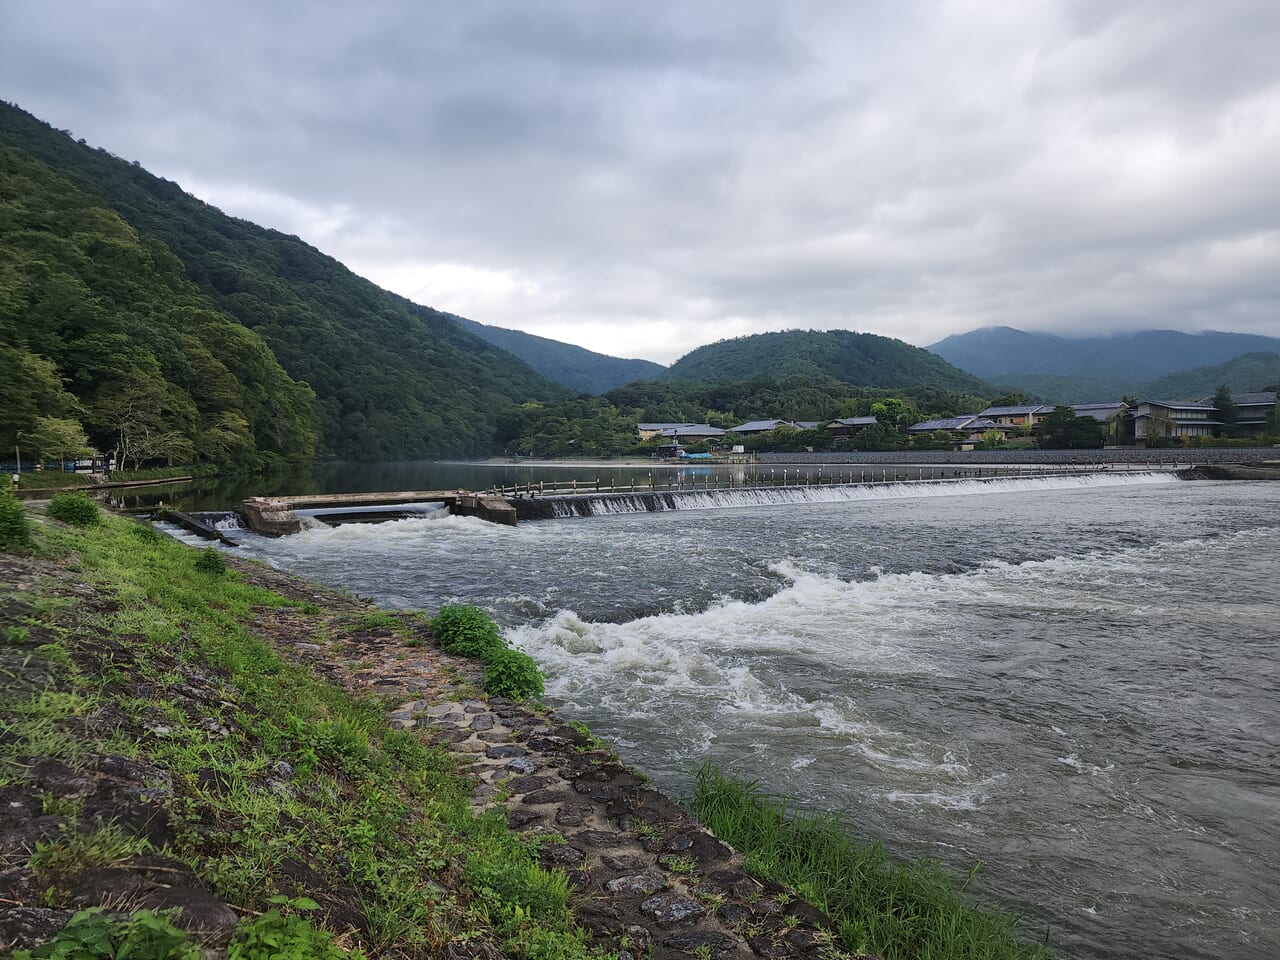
{"x":1166,"y":364}
{"x":998,"y":353}
{"x":575,"y":367}
{"x":861,"y":359}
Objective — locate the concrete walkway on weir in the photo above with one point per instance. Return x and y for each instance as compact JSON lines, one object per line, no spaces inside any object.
{"x":275,"y":516}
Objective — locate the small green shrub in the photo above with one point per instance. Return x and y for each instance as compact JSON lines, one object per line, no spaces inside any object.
{"x":466,"y":631}
{"x":339,"y":742}
{"x":91,"y":934}
{"x":15,"y":531}
{"x":280,"y":936}
{"x":512,"y":674}
{"x":146,"y":533}
{"x":74,"y":508}
{"x":211,"y":562}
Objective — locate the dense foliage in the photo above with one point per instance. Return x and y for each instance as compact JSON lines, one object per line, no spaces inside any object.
{"x":465,"y":631}
{"x":103,"y":342}
{"x":574,"y":367}
{"x":512,"y":674}
{"x":1063,"y":430}
{"x":391,"y":378}
{"x":1249,"y":373}
{"x":15,"y":532}
{"x":606,"y":426}
{"x":858,"y":358}
{"x":74,"y":508}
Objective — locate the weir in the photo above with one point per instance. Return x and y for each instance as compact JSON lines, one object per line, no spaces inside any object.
{"x":588,"y":504}
{"x":280,"y":516}
{"x":277,"y":516}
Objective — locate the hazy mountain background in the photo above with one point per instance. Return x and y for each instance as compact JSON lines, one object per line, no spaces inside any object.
{"x":1158,"y":363}
{"x":575,"y":367}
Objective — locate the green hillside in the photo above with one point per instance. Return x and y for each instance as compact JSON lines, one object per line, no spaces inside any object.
{"x":151,"y":369}
{"x":1249,"y":373}
{"x":391,"y":379}
{"x":861,"y":359}
{"x":574,"y":367}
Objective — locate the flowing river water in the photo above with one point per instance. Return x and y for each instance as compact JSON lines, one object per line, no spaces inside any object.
{"x":1074,"y":683}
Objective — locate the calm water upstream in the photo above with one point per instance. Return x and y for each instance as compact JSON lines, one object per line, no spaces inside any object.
{"x":1077,"y":686}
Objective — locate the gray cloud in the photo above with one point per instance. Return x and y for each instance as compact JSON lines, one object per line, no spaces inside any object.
{"x":645,"y":178}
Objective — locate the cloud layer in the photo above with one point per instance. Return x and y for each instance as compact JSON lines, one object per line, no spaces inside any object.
{"x":644,"y":178}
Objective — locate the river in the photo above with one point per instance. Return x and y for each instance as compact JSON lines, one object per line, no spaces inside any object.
{"x":1074,"y":683}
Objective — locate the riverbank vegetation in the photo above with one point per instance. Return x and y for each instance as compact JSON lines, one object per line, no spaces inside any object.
{"x":897,"y":911}
{"x":293,"y":801}
{"x":606,"y":426}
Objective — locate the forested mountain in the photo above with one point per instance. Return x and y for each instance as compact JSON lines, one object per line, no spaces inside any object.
{"x":151,"y":369}
{"x":1001,"y":353}
{"x":1250,"y":373}
{"x":574,"y":367}
{"x":861,"y":359}
{"x":391,"y":379}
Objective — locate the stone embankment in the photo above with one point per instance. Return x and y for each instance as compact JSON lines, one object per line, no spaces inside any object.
{"x":650,"y":880}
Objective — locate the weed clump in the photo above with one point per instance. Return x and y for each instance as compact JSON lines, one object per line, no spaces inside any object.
{"x":15,"y":531}
{"x":466,"y":631}
{"x":91,"y":934}
{"x":512,"y":674}
{"x":211,"y":562}
{"x":75,"y":509}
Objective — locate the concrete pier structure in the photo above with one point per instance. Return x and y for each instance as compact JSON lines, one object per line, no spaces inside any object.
{"x":276,"y":516}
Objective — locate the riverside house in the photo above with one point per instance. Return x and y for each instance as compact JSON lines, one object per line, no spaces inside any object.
{"x":761,"y":426}
{"x":848,"y":426}
{"x":966,"y":431}
{"x":1255,"y":408}
{"x":1161,"y":418}
{"x":1025,"y":415}
{"x":679,"y":431}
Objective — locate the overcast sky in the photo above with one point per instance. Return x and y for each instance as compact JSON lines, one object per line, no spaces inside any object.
{"x":643,"y":178}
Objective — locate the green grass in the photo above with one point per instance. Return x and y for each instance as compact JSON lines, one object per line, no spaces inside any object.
{"x":301,"y":769}
{"x":900,"y":912}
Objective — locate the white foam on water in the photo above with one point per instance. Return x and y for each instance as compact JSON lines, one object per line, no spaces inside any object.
{"x":609,"y":504}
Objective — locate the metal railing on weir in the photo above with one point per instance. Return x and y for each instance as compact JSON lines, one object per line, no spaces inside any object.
{"x":831,"y":475}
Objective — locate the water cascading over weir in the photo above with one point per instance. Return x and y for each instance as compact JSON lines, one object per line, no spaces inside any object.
{"x":533,"y":507}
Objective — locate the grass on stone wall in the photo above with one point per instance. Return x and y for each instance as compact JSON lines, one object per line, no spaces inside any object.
{"x":911,"y":911}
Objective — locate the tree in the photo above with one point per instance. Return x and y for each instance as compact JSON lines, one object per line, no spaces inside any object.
{"x":1225,"y":412}
{"x":58,"y":439}
{"x":894,"y":413}
{"x":991,"y":440}
{"x":1063,"y":430}
{"x":1010,"y":400}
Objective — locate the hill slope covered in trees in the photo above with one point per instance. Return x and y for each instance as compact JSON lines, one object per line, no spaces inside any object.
{"x":151,"y":368}
{"x":391,"y":379}
{"x":574,"y":367}
{"x":861,"y":359}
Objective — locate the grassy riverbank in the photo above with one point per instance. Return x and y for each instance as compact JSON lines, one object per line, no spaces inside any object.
{"x":279,"y":793}
{"x":898,"y":911}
